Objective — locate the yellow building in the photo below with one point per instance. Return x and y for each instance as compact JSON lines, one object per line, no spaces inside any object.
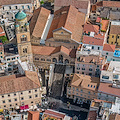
{"x":83,"y":87}
{"x":114,"y":36}
{"x":23,"y":37}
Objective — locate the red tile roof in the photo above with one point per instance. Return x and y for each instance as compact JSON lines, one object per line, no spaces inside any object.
{"x":108,"y":47}
{"x":2,"y":33}
{"x":92,"y":41}
{"x":98,"y":19}
{"x":46,"y":50}
{"x":10,"y":2}
{"x":54,"y":113}
{"x":33,"y":115}
{"x":77,"y":3}
{"x":115,"y":29}
{"x":104,"y":24}
{"x":70,"y":18}
{"x":108,"y":89}
{"x":91,"y":28}
{"x":38,"y":21}
{"x":108,"y":4}
{"x":10,"y":84}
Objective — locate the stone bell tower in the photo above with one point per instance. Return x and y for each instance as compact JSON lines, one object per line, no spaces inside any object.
{"x":23,"y":37}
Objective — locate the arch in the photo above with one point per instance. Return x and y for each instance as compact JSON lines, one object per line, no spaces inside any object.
{"x":66,"y":61}
{"x":60,"y":58}
{"x":54,"y":60}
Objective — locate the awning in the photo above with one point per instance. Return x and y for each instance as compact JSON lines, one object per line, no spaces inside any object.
{"x":24,"y":107}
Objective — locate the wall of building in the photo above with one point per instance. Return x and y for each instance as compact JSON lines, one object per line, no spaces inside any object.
{"x":78,"y":92}
{"x":28,"y":97}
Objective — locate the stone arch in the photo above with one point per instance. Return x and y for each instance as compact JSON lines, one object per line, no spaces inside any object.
{"x":54,"y":60}
{"x":66,"y":61}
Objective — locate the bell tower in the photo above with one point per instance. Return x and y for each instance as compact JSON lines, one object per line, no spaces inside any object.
{"x":23,"y":37}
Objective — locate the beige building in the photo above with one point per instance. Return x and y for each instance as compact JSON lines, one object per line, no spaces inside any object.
{"x":89,"y":64}
{"x":66,"y":28}
{"x":43,"y":56}
{"x":20,"y":90}
{"x":23,"y":37}
{"x":83,"y":87}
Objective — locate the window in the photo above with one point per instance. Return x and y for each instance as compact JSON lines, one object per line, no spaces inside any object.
{"x":22,"y":7}
{"x":9,"y":100}
{"x":8,"y":13}
{"x":29,"y":91}
{"x":2,"y":96}
{"x":15,"y":99}
{"x":82,"y":72}
{"x":76,"y":93}
{"x":90,"y":69}
{"x":90,"y":74}
{"x":97,"y":66}
{"x":28,"y":7}
{"x":92,"y":47}
{"x":112,"y":36}
{"x":3,"y":8}
{"x":22,"y":98}
{"x":111,"y":42}
{"x":10,"y":7}
{"x":30,"y":97}
{"x":61,"y":32}
{"x":4,"y":105}
{"x":105,"y":77}
{"x":13,"y":58}
{"x":10,"y":105}
{"x":16,"y":104}
{"x":35,"y":90}
{"x":36,"y":58}
{"x":31,"y":101}
{"x":3,"y":101}
{"x":42,"y":59}
{"x":91,"y":85}
{"x":107,"y":53}
{"x":15,"y":94}
{"x":8,"y":59}
{"x":36,"y":95}
{"x":21,"y":93}
{"x":81,"y":94}
{"x":88,"y":85}
{"x":98,"y":48}
{"x":94,"y":86}
{"x":73,"y":88}
{"x":118,"y":37}
{"x":48,"y":60}
{"x":81,"y":90}
{"x":9,"y":95}
{"x":83,"y":68}
{"x":23,"y":38}
{"x":16,"y":7}
{"x":90,"y":65}
{"x":1,"y":56}
{"x":77,"y":89}
{"x":24,"y":50}
{"x":88,"y":92}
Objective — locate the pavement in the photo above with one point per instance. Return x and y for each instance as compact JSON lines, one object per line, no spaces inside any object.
{"x":69,"y":109}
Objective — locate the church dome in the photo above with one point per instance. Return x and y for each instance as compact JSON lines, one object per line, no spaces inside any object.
{"x":20,"y":15}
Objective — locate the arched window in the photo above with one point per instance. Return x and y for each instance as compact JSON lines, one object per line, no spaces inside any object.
{"x":23,"y":38}
{"x":60,"y":59}
{"x":54,"y":60}
{"x":66,"y":61}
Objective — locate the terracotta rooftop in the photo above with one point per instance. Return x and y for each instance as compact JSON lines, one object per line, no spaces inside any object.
{"x":85,"y":81}
{"x":71,"y":19}
{"x":108,"y":4}
{"x":104,"y":24}
{"x":90,"y":59}
{"x":115,"y":29}
{"x":33,"y":115}
{"x":11,"y":2}
{"x":45,"y":50}
{"x":38,"y":21}
{"x":108,"y":89}
{"x":108,"y":47}
{"x":9,"y":84}
{"x":2,"y":33}
{"x":77,"y":3}
{"x":91,"y":28}
{"x":54,"y":114}
{"x":92,"y":41}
